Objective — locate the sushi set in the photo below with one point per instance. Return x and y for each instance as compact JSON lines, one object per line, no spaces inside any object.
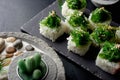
{"x":25,"y":57}
{"x":72,"y":33}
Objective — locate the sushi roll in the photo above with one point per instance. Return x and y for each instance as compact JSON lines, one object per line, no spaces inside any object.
{"x":70,"y":6}
{"x":78,"y":42}
{"x":52,"y":26}
{"x":99,"y":16}
{"x":102,"y":34}
{"x":108,"y":58}
{"x":75,"y":21}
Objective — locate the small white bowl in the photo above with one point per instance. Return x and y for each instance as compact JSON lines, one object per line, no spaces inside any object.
{"x":99,"y":3}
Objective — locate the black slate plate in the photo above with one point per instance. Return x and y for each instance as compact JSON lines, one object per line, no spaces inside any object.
{"x":87,"y":62}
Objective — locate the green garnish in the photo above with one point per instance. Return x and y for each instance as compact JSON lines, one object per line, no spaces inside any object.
{"x":80,"y":37}
{"x":102,"y":34}
{"x":77,"y":19}
{"x":1,"y":65}
{"x":76,"y":4}
{"x":100,"y":15}
{"x":52,"y":21}
{"x":110,"y":52}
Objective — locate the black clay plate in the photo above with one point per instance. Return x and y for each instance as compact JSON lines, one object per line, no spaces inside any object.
{"x":87,"y":62}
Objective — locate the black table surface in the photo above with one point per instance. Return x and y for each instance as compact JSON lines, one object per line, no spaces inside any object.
{"x":14,"y":13}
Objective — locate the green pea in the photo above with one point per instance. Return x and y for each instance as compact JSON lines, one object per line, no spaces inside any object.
{"x":43,"y":67}
{"x":30,"y":63}
{"x":37,"y":74}
{"x":21,"y":65}
{"x":37,"y":59}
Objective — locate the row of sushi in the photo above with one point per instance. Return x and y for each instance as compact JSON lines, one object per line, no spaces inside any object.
{"x":85,"y":31}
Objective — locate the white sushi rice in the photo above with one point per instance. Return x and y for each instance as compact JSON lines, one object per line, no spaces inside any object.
{"x":107,"y":66}
{"x":118,"y":35}
{"x":81,"y":50}
{"x":94,"y":25}
{"x":66,"y":11}
{"x":68,"y":26}
{"x":54,"y":33}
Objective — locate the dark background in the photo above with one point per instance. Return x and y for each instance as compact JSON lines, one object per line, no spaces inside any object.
{"x":14,"y":13}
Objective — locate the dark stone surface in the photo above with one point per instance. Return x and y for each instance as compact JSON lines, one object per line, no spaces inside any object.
{"x":14,"y":13}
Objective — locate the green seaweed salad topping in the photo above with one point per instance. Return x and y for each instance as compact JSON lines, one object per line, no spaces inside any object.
{"x":100,"y":15}
{"x":76,"y":4}
{"x":0,"y":65}
{"x":52,"y":21}
{"x":111,"y":52}
{"x":103,"y":33}
{"x":80,"y":37}
{"x":77,"y":19}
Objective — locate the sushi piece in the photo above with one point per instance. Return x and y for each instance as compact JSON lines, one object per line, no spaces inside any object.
{"x":52,"y":26}
{"x":78,"y":42}
{"x":99,"y":16}
{"x":108,"y":58}
{"x":102,"y":34}
{"x":75,"y":21}
{"x":70,"y":6}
